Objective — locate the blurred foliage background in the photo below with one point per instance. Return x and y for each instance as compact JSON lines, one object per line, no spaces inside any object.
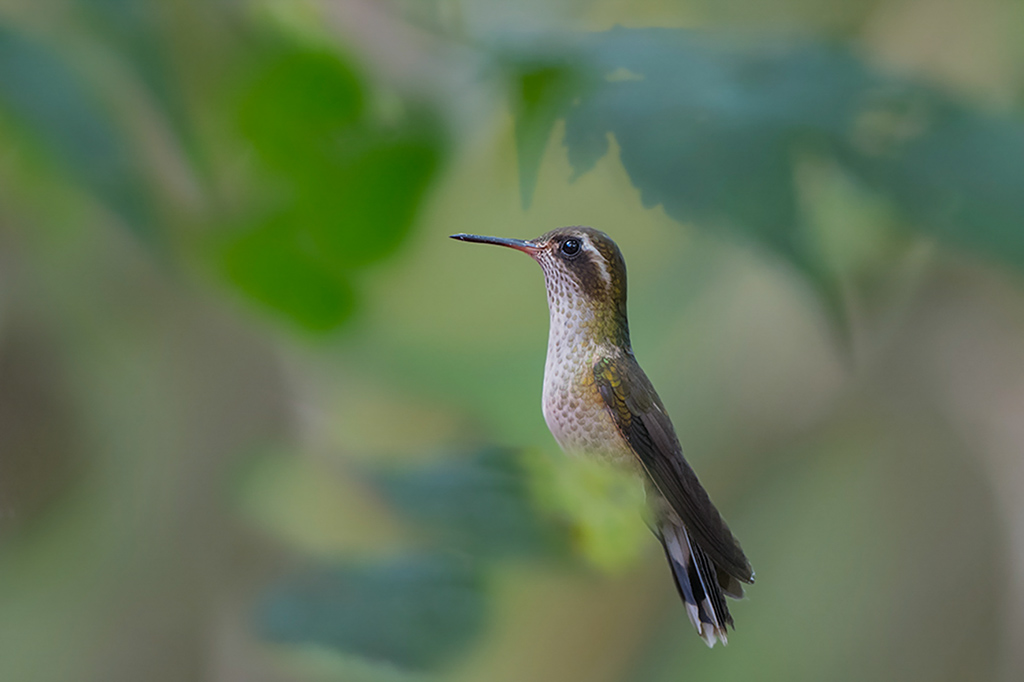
{"x":261,"y":420}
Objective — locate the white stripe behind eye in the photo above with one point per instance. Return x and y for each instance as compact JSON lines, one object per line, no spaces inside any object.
{"x":599,"y":259}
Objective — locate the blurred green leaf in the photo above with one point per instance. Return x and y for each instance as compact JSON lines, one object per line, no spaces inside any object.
{"x":415,"y":612}
{"x":52,"y":103}
{"x":272,"y":265}
{"x":710,"y":130}
{"x":361,"y":208}
{"x":481,"y":504}
{"x":957,"y":172}
{"x":298,"y":107}
{"x":544,"y":90}
{"x":347,"y":186}
{"x":704,"y":130}
{"x":604,"y":507}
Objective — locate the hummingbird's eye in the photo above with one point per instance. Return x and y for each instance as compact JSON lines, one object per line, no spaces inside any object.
{"x":570,"y":247}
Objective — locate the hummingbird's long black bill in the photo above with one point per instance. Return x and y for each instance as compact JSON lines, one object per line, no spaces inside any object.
{"x":518,"y":244}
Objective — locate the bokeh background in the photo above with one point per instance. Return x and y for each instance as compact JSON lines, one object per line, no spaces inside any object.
{"x":261,"y":420}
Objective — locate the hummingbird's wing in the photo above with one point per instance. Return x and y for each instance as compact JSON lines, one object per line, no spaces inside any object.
{"x":641,"y":418}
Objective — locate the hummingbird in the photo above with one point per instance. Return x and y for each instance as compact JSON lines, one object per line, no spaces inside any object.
{"x":598,"y":402}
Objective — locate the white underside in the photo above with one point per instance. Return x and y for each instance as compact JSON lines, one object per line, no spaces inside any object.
{"x":573,"y":409}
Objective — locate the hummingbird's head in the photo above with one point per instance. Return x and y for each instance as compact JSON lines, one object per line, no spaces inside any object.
{"x":583,"y":270}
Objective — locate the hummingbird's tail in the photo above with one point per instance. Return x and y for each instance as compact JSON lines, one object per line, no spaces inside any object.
{"x":700,"y":583}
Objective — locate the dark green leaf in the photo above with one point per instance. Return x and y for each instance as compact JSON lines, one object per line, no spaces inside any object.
{"x":481,"y":505}
{"x":710,"y":129}
{"x":544,"y":90}
{"x":707,"y":130}
{"x":415,"y":612}
{"x":958,"y":173}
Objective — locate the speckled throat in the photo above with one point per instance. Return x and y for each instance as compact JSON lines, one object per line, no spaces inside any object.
{"x":587,"y":307}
